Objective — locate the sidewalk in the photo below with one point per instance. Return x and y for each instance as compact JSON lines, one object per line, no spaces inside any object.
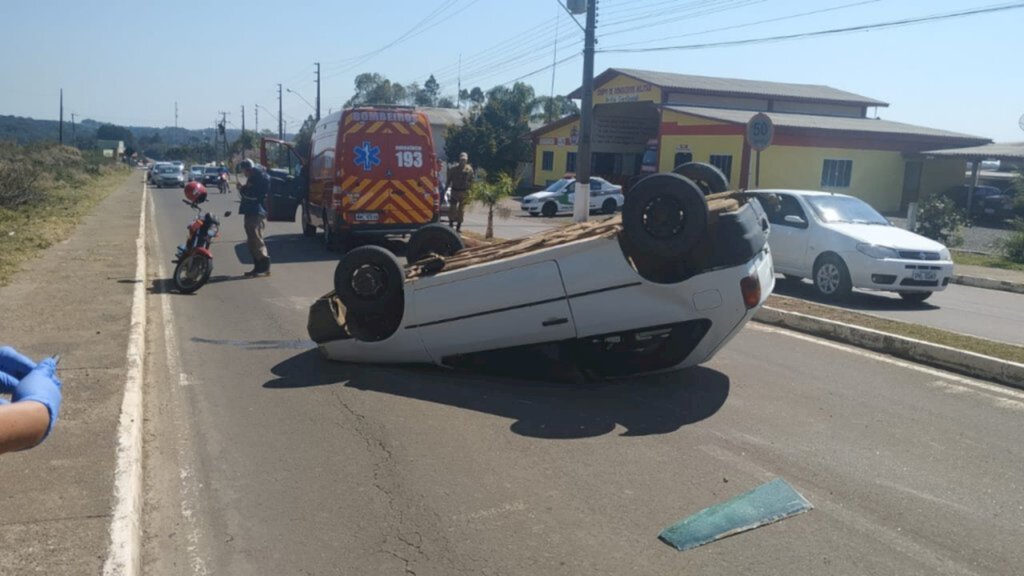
{"x":74,"y":299}
{"x":991,"y":278}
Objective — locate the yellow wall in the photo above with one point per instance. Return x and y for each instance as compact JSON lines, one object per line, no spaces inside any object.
{"x":559,"y":142}
{"x":877,"y":176}
{"x":702,"y":147}
{"x":626,"y":89}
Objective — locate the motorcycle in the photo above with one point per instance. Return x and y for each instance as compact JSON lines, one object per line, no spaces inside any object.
{"x":194,"y":261}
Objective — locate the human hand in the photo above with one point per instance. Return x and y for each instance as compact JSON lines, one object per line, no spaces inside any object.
{"x":41,"y":385}
{"x":15,"y":363}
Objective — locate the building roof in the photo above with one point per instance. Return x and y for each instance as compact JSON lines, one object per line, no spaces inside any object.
{"x":735,"y":87}
{"x":872,"y":126}
{"x":444,"y":116}
{"x":1000,"y":151}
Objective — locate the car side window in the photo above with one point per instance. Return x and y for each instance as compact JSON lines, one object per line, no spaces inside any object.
{"x":786,"y":206}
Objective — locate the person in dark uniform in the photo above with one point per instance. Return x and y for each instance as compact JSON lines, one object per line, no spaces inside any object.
{"x":253,"y":194}
{"x":460,"y":178}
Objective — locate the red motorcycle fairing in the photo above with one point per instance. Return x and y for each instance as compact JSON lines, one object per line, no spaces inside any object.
{"x":205,"y":252}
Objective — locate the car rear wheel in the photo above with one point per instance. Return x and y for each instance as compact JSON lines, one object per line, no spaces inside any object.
{"x":609,"y":206}
{"x":915,"y":297}
{"x":665,"y":217}
{"x":369,"y":281}
{"x":432,"y":239}
{"x":832,"y":278}
{"x":549,"y":210}
{"x":707,"y":177}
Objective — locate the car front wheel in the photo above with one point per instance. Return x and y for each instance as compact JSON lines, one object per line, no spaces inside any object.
{"x":832,"y":278}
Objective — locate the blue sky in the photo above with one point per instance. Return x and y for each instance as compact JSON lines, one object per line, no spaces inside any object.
{"x":129,"y":62}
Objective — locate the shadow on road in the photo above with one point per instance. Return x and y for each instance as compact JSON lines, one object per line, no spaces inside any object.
{"x":863,"y":301}
{"x":296,"y":248}
{"x":644,"y":405}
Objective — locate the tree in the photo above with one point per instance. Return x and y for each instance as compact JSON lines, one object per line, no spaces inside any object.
{"x":372,"y":88}
{"x":548,"y":109}
{"x":490,"y":194}
{"x":431,"y":91}
{"x":496,"y":136}
{"x":114,"y":132}
{"x":247,"y":140}
{"x":304,"y":139}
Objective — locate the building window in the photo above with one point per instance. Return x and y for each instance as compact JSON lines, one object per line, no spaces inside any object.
{"x":547,"y":160}
{"x":723,"y":162}
{"x":681,"y":158}
{"x":836,"y":173}
{"x":570,"y":161}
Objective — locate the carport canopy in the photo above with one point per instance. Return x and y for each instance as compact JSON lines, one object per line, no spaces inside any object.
{"x":1006,"y":152}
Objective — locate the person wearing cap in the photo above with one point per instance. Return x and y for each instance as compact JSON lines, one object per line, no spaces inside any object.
{"x":460,"y":178}
{"x":253,"y":193}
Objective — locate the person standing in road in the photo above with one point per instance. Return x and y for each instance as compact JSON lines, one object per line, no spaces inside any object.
{"x":35,"y":400}
{"x":253,"y":193}
{"x":460,"y":178}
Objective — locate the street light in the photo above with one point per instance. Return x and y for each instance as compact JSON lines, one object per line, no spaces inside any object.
{"x":290,"y":91}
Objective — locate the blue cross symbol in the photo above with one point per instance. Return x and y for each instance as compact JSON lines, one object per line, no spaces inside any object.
{"x":367,"y":156}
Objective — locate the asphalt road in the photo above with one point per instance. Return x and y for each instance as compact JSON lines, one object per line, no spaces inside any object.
{"x":262,"y":458}
{"x":991,"y":314}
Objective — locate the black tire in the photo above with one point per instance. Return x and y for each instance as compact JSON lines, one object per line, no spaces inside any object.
{"x":369,"y":280}
{"x":708,"y":178}
{"x":432,"y":239}
{"x":915,"y":297}
{"x":549,"y":210}
{"x":192,"y":272}
{"x":335,"y":241}
{"x":832,"y":278}
{"x":665,"y":216}
{"x":609,"y":206}
{"x":308,"y":230}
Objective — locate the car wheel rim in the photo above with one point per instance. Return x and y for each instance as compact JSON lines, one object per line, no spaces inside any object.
{"x":368,"y":281}
{"x":663,"y":217}
{"x":828,"y":278}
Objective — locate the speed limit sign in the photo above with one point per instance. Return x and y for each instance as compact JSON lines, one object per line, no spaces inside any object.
{"x":760,"y":131}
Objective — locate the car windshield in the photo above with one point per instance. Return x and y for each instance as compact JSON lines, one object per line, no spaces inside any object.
{"x":167,"y":169}
{"x":845,"y":209}
{"x":213,"y":170}
{"x":558,"y":185}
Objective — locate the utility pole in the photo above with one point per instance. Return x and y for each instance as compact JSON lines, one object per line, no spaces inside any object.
{"x":243,"y":118}
{"x":175,"y":114}
{"x":60,"y":128}
{"x":222,"y":130}
{"x":74,"y":137}
{"x":581,"y":203}
{"x":458,"y":89}
{"x":554,"y":66}
{"x":317,"y":91}
{"x":256,"y":111}
{"x":280,"y":115}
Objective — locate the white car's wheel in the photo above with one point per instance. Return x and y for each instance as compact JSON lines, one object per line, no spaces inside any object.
{"x":665,"y":216}
{"x":369,"y":280}
{"x":432,"y":239}
{"x":609,"y":206}
{"x":549,"y":210}
{"x":709,"y":178}
{"x":831,"y":277}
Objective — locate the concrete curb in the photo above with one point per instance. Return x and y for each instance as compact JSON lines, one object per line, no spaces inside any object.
{"x":938,"y":356}
{"x":989,"y":283}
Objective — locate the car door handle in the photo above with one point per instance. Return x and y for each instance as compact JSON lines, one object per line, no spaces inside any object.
{"x":554,"y":322}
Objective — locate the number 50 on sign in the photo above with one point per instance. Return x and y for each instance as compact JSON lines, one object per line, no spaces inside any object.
{"x":760,"y":131}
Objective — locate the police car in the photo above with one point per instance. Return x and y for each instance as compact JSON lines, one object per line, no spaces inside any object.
{"x":558,"y":198}
{"x":664,"y":285}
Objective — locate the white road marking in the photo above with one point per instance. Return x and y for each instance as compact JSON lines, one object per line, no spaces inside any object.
{"x":190,"y":485}
{"x":1001,"y":396}
{"x":123,"y":557}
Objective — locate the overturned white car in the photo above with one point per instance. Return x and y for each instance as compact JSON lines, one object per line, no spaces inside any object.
{"x":664,"y":285}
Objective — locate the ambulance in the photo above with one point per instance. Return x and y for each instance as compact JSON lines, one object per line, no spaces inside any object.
{"x":371,"y":171}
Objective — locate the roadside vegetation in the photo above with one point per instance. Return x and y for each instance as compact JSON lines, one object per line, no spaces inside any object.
{"x":987,"y":260}
{"x":45,"y":189}
{"x":916,"y":331}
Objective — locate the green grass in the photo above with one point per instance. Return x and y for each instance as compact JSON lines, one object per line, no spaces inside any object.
{"x":986,"y":260}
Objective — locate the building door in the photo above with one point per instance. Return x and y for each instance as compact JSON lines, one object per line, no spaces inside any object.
{"x":911,"y":183}
{"x":681,"y":158}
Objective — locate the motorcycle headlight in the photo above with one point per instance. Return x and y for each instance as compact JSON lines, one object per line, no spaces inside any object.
{"x":877,"y":252}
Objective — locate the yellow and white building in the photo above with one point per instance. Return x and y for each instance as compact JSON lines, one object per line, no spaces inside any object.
{"x":824,"y":138}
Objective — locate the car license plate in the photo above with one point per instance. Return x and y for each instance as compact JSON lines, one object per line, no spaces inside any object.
{"x":925,"y":275}
{"x":367,"y":216}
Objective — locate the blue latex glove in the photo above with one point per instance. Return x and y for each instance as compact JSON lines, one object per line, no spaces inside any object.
{"x":15,"y":363}
{"x":7,"y":383}
{"x":41,"y":385}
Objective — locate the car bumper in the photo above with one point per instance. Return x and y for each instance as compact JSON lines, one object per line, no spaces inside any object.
{"x":898,"y":275}
{"x":530,"y":208}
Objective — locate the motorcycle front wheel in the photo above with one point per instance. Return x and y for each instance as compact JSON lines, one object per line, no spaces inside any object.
{"x":192,"y":272}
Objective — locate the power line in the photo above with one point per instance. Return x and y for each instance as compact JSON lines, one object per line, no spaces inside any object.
{"x":830,"y":32}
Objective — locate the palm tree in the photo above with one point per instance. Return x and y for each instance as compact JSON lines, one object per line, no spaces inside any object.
{"x":491,"y":194}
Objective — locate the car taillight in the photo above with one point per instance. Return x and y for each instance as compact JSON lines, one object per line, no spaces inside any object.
{"x":336,"y":197}
{"x":751,"y":289}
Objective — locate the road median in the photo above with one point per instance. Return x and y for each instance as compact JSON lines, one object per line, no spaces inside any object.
{"x":974,"y":357}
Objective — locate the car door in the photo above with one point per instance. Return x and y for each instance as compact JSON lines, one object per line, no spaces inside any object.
{"x":790,"y":233}
{"x":287,"y":179}
{"x":493,"y":310}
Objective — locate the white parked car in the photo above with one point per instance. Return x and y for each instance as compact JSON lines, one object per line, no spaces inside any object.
{"x":654,"y":289}
{"x":840,"y":243}
{"x":558,"y":198}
